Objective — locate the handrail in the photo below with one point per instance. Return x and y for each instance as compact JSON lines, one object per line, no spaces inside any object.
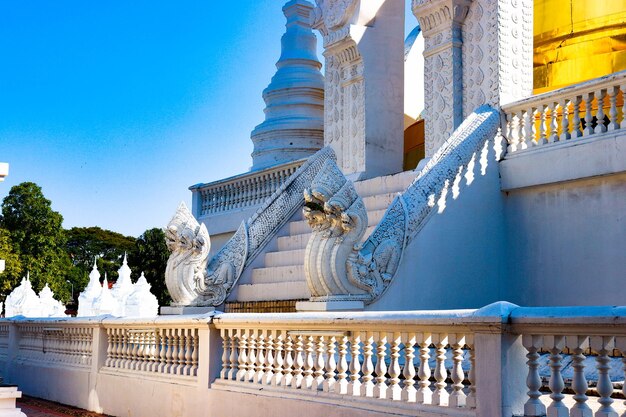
{"x":578,"y":111}
{"x":243,"y":190}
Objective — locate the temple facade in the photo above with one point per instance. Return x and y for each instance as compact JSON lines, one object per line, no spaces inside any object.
{"x":457,"y":251}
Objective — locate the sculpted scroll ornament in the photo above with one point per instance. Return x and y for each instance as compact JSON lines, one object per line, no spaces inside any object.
{"x":191,"y":280}
{"x":338,"y":218}
{"x":336,"y":13}
{"x":189,"y":244}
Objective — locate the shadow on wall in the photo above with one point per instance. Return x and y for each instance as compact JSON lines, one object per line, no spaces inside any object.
{"x":456,"y":260}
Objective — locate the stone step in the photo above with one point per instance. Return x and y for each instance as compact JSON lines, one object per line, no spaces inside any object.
{"x":278,"y":273}
{"x":378,"y":202}
{"x":293,"y":242}
{"x":300,"y":227}
{"x":284,"y":258}
{"x":387,"y":184}
{"x":290,"y":290}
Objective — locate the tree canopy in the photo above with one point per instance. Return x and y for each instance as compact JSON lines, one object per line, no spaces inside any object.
{"x":150,"y":257}
{"x":33,"y":240}
{"x":37,"y":238}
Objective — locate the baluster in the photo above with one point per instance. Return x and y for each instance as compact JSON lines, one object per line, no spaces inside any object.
{"x":172,"y":352}
{"x":250,"y":376}
{"x":186,"y":370}
{"x":320,"y":365}
{"x":154,"y":348}
{"x":128,"y":352}
{"x":233,"y":359}
{"x":260,"y":358}
{"x":623,"y":123}
{"x":194,"y":353}
{"x":458,"y":397}
{"x":278,"y":359}
{"x":109,"y":360}
{"x":288,"y":361}
{"x":440,"y":396}
{"x":576,"y":128}
{"x":510,"y":122}
{"x":354,"y":386}
{"x":341,"y":386}
{"x":579,"y":384}
{"x":588,"y":97}
{"x":603,"y":345}
{"x":243,"y":356}
{"x":394,"y":391}
{"x":181,"y":352}
{"x":620,"y":344}
{"x":470,"y":401}
{"x":331,"y":366}
{"x":613,"y":91}
{"x":555,"y":344}
{"x":565,"y":135}
{"x":600,"y":127}
{"x":225,"y":353}
{"x":269,"y":359}
{"x":367,"y":386}
{"x":543,"y":125}
{"x":424,"y":393}
{"x":162,"y":351}
{"x":380,"y":390}
{"x":298,"y":364}
{"x":526,"y":138}
{"x":119,"y":348}
{"x":141,"y":347}
{"x":148,"y":351}
{"x":308,"y":363}
{"x":409,"y":393}
{"x":554,"y":126}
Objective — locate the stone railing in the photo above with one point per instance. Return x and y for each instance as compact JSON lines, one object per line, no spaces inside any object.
{"x":567,"y":114}
{"x":487,"y":362}
{"x":53,"y":341}
{"x":164,"y":346}
{"x":241,"y":191}
{"x":595,"y":333}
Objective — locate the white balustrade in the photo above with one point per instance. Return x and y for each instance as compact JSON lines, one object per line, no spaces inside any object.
{"x":598,"y":335}
{"x":156,"y":348}
{"x":62,"y":342}
{"x":241,"y":191}
{"x":366,"y":360}
{"x":573,"y":112}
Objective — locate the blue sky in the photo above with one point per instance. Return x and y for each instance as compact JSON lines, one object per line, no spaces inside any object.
{"x":115,"y":108}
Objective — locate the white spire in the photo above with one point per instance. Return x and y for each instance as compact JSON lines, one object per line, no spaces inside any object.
{"x":89,"y":295}
{"x":123,"y":287}
{"x":294,"y":112}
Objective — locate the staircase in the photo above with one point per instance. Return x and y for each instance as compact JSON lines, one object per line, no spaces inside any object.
{"x":282,"y":275}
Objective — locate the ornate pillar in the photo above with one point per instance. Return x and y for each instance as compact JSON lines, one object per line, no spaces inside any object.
{"x":441,"y":23}
{"x":364,"y":84}
{"x":476,"y":52}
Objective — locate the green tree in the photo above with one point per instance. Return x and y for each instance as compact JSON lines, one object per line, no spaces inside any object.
{"x":10,"y":278}
{"x":150,"y":257}
{"x":83,"y":244}
{"x":37,"y":237}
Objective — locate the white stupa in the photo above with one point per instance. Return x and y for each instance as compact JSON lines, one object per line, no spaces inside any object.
{"x":23,"y":301}
{"x":89,"y":295}
{"x":142,"y":303}
{"x":50,"y":307}
{"x":105,"y":303}
{"x":294,"y":111}
{"x":122,"y":288}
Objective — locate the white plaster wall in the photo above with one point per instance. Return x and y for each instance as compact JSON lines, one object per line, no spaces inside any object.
{"x":567,"y":243}
{"x":457,"y":259}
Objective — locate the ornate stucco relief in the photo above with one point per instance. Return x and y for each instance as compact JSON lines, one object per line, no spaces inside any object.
{"x":337,"y":266}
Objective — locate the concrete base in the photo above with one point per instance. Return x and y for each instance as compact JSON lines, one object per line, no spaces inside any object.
{"x":172,"y":311}
{"x":8,"y":395}
{"x":329,"y":305}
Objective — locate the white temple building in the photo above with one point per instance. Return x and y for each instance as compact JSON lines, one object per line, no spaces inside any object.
{"x":462,"y":255}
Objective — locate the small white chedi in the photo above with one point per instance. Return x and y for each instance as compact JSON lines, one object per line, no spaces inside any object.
{"x":23,"y":301}
{"x":124,"y":299}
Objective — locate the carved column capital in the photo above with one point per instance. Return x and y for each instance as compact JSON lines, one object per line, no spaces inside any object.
{"x":437,"y":15}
